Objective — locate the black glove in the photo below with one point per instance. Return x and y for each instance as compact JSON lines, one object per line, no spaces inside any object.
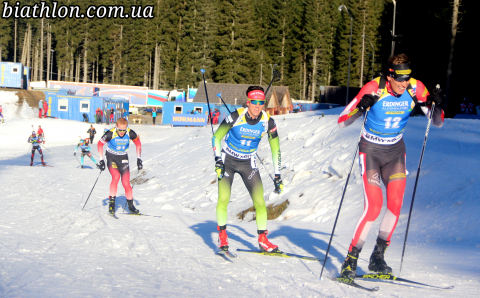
{"x":74,"y":153}
{"x":436,"y":96}
{"x":278,"y":184}
{"x":219,"y":167}
{"x":367,"y":101}
{"x":139,"y":164}
{"x":101,"y":165}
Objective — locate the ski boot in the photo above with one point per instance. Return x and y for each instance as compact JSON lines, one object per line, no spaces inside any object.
{"x":111,"y":205}
{"x":349,"y":266}
{"x":31,"y":164}
{"x":132,"y":208}
{"x":263,"y":242}
{"x":222,"y":238}
{"x":377,"y":262}
{"x":43,"y":163}
{"x":81,"y":166}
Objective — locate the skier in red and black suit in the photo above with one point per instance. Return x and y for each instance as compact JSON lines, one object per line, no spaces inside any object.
{"x":118,"y":140}
{"x":382,"y":152}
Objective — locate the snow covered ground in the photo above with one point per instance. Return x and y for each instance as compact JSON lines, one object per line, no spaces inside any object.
{"x":49,"y":247}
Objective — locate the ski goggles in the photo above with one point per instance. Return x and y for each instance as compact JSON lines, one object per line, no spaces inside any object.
{"x":121,"y":130}
{"x":400,"y":72}
{"x":257,"y":102}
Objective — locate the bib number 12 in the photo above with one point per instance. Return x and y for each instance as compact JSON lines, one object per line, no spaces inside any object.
{"x":392,"y":122}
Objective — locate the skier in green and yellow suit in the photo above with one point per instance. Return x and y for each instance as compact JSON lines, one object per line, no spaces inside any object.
{"x":243,"y":130}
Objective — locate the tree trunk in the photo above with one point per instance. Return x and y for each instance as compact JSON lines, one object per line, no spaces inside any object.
{"x":314,"y":74}
{"x":14,"y":44}
{"x":77,"y":72}
{"x":304,"y":76}
{"x":177,"y":66}
{"x":98,"y":65}
{"x":155,"y":67}
{"x":85,"y":62}
{"x":49,"y":50}
{"x":29,"y":44}
{"x":41,"y":51}
{"x":363,"y":52}
{"x":261,"y":69}
{"x":72,"y":65}
{"x":456,"y":4}
{"x":282,"y":55}
{"x":24,"y":53}
{"x":35,"y":72}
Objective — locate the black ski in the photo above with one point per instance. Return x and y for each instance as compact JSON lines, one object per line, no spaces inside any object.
{"x":385,"y":277}
{"x":280,"y":254}
{"x":351,"y":282}
{"x":226,"y":254}
{"x":141,"y":214}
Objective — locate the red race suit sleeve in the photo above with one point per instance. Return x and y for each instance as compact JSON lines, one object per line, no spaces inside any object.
{"x":351,"y":112}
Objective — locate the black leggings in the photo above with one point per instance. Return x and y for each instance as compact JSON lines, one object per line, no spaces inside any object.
{"x":248,"y":170}
{"x":39,"y":151}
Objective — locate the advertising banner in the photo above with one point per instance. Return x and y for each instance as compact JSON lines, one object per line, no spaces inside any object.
{"x":189,"y":120}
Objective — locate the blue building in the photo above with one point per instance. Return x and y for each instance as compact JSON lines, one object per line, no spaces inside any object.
{"x":173,"y":111}
{"x":64,"y":106}
{"x":14,"y":75}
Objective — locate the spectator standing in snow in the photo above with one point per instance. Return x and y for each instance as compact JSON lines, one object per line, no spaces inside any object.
{"x":154,"y":115}
{"x":45,"y":109}
{"x":107,"y":116}
{"x":41,"y":134}
{"x":40,"y":108}
{"x":91,"y":131}
{"x":112,"y":115}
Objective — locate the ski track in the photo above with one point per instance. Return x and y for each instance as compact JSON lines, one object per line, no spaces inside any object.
{"x":50,"y":247}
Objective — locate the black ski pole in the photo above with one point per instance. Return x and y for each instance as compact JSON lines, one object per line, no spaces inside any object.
{"x":276,"y":75}
{"x":92,"y":190}
{"x":416,"y":181}
{"x":208,"y":102}
{"x":78,"y":160}
{"x":343,"y":196}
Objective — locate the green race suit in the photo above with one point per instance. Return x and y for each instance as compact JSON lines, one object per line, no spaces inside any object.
{"x":242,"y":136}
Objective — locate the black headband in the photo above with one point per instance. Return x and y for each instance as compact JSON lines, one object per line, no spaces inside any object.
{"x":400,"y":72}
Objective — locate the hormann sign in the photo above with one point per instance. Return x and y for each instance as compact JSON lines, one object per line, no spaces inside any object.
{"x":189,"y":120}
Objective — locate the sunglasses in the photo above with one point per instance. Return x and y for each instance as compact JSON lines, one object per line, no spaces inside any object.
{"x":401,"y":79}
{"x":121,"y":130}
{"x":257,"y":102}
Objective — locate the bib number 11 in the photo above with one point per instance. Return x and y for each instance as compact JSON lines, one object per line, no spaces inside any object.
{"x":245,"y":142}
{"x":392,"y":122}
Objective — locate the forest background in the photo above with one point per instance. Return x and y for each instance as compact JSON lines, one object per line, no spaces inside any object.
{"x":240,"y":41}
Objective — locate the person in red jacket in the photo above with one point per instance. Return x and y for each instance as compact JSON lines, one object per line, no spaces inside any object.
{"x":41,"y":134}
{"x":216,"y":115}
{"x":45,"y":109}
